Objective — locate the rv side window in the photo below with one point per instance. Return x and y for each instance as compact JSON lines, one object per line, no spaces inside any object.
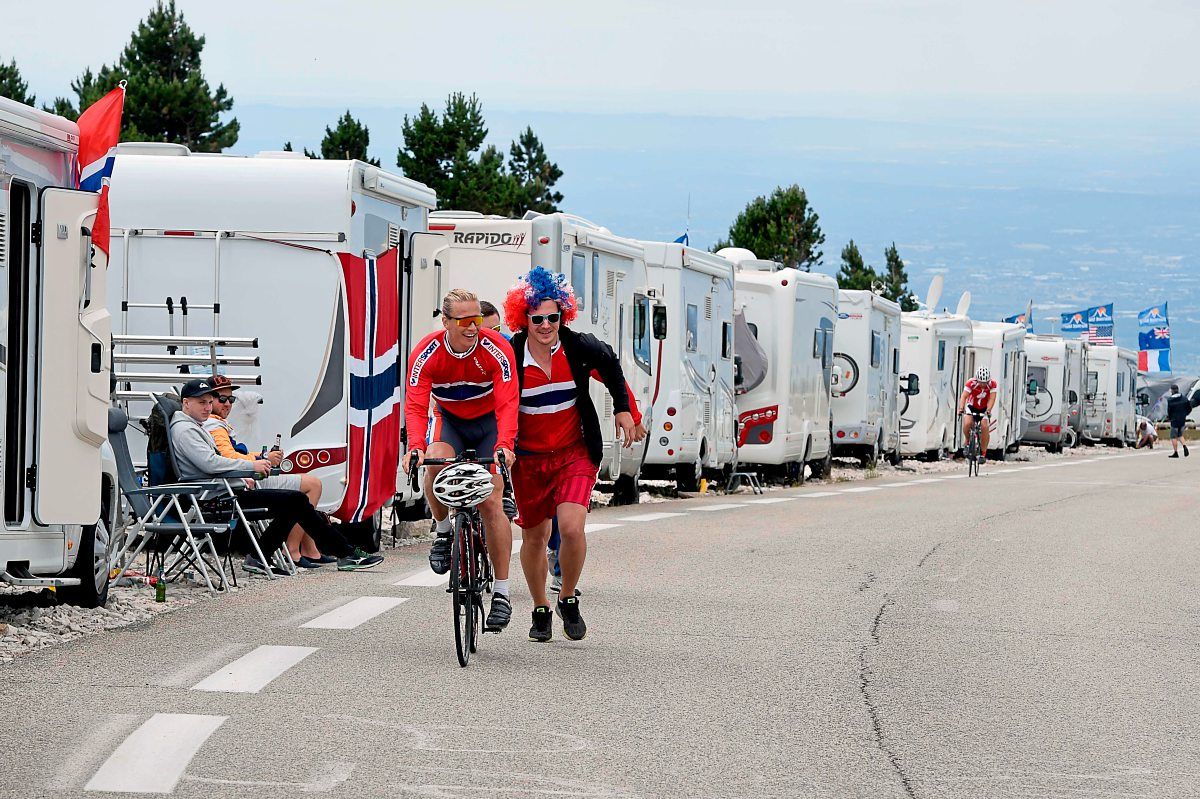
{"x":941,"y":355}
{"x":726,"y":340}
{"x":693,"y":326}
{"x":1120,"y":384}
{"x":1093,"y":382}
{"x":641,"y":332}
{"x":1006,"y":368}
{"x":595,"y":287}
{"x":579,"y":276}
{"x":895,"y":360}
{"x":753,"y":329}
{"x":876,"y":350}
{"x":818,"y":342}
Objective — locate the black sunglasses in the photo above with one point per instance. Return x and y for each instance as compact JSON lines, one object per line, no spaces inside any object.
{"x":225,"y":400}
{"x":537,"y":318}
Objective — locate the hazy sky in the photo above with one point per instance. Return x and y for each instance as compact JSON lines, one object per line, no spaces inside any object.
{"x":747,"y":57}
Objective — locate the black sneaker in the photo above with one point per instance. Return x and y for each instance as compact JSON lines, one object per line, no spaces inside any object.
{"x":358,"y":559}
{"x":500,"y":614}
{"x":1185,"y":451}
{"x":1173,"y":455}
{"x":439,"y":553}
{"x":573,"y":626}
{"x":255,"y":566}
{"x":543,"y":625}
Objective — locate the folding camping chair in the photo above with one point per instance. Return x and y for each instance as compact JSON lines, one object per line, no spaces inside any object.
{"x":171,"y":512}
{"x":253,"y":520}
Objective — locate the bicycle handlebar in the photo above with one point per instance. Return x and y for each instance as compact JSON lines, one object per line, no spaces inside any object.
{"x":468,"y":456}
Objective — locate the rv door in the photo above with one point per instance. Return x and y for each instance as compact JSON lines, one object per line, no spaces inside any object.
{"x":73,"y":364}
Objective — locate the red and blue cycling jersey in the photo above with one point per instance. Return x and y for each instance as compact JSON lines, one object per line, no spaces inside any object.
{"x":979,"y":393}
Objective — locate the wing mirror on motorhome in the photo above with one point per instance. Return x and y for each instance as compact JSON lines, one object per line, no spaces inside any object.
{"x":1143,"y":399}
{"x":1032,"y":388}
{"x":658,"y":320}
{"x":912,"y":385}
{"x":1072,"y":396}
{"x":738,"y":377}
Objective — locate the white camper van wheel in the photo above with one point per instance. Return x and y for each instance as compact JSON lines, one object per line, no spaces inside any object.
{"x":687,"y":476}
{"x":1072,"y":439}
{"x":91,"y":567}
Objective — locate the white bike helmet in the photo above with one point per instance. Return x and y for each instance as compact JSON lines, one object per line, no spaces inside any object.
{"x":983,"y":374}
{"x":463,"y":485}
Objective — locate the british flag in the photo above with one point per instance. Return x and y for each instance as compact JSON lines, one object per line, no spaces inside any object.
{"x":373,"y":311}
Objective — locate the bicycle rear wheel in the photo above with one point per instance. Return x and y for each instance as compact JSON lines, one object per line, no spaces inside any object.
{"x":973,"y":453}
{"x":461,"y":581}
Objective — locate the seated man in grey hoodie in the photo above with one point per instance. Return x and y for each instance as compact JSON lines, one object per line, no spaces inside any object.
{"x":197,"y":459}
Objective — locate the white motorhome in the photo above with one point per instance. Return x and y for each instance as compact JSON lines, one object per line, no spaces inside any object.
{"x":608,"y":272}
{"x":1077,"y":366}
{"x":58,"y":478}
{"x":694,"y":403}
{"x":1109,"y":404}
{"x":1048,"y":395}
{"x":784,"y":417}
{"x":254,"y":244}
{"x":934,"y":350}
{"x":1000,"y":346}
{"x":866,"y":377}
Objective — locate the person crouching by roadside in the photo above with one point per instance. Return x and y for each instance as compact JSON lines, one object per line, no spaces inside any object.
{"x":559,"y":441}
{"x":301,"y":547}
{"x":1178,"y":408}
{"x":197,"y":459}
{"x":1147,"y":435}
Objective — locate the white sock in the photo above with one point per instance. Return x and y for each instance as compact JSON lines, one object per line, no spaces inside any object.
{"x":442,"y":526}
{"x":500,"y":587}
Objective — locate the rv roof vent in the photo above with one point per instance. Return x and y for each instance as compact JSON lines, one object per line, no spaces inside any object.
{"x":532,"y":215}
{"x":152,"y":148}
{"x":281,"y":154}
{"x":737,"y":254}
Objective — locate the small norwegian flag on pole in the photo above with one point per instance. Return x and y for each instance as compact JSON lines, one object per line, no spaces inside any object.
{"x":99,"y":132}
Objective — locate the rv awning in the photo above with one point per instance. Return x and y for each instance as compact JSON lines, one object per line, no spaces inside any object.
{"x":751,"y":354}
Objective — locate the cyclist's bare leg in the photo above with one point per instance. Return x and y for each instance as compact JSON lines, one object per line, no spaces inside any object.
{"x":498,"y":529}
{"x":985,"y":433}
{"x":533,"y":561}
{"x":966,"y":429}
{"x":572,"y":551}
{"x":438,"y":449}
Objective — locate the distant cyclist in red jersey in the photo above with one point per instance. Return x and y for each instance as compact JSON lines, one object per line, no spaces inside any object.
{"x":469,"y":371}
{"x":980,"y":396}
{"x":559,"y":436}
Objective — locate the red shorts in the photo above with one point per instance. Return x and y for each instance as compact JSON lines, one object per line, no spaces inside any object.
{"x":543,"y":481}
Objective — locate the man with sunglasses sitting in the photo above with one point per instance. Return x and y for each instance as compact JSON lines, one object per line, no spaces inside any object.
{"x":468,"y":370}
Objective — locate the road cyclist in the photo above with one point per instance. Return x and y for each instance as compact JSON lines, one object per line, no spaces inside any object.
{"x":468,"y":372}
{"x":975,"y":406}
{"x":559,"y":440}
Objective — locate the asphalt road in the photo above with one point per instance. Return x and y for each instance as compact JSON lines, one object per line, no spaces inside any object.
{"x":1028,"y":633}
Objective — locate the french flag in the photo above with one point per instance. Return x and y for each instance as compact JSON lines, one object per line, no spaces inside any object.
{"x":99,"y":132}
{"x":373,"y":311}
{"x":1154,"y":360}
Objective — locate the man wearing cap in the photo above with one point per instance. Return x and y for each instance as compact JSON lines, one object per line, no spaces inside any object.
{"x":198,"y":459}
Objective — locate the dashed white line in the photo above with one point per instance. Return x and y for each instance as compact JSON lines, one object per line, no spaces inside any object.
{"x":927,"y":480}
{"x":817,"y":494}
{"x":770,"y":500}
{"x":860,"y":489}
{"x":426,"y":578}
{"x":726,"y":506}
{"x":250,"y":673}
{"x":649,"y":517}
{"x":155,"y":755}
{"x":598,"y":526}
{"x":953,"y":477}
{"x":353,"y":613}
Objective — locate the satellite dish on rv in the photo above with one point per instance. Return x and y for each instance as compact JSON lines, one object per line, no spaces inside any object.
{"x":737,"y":254}
{"x":964,"y":304}
{"x":934,"y":294}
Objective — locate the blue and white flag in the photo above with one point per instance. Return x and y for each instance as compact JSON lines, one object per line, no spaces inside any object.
{"x":682,"y":240}
{"x":1075,"y":322}
{"x":1154,"y":361}
{"x":1022,"y":319}
{"x":1158,"y":338}
{"x":1154,"y":316}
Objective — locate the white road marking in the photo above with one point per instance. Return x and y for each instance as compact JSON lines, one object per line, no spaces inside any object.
{"x":649,"y":517}
{"x":953,"y":477}
{"x":155,"y":755}
{"x":598,"y":526}
{"x":426,"y":578}
{"x":353,"y":613}
{"x":770,"y":500}
{"x":727,"y":506}
{"x":928,"y":480}
{"x":859,"y":489}
{"x":816,"y":494}
{"x":895,"y":485}
{"x":250,"y":673}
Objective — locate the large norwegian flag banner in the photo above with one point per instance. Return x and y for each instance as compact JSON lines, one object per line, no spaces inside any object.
{"x":99,"y":132}
{"x":373,"y":311}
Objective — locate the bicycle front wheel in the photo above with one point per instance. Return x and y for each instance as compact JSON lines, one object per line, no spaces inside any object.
{"x":461,"y":582}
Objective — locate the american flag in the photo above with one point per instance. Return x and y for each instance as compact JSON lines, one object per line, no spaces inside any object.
{"x":372,"y":301}
{"x":1100,"y":334}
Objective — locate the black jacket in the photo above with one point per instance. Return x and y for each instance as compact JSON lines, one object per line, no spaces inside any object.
{"x":1178,"y":408}
{"x":584,"y":353}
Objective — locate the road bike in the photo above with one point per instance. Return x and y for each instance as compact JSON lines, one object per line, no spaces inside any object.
{"x":470,"y":565}
{"x":974,"y":445}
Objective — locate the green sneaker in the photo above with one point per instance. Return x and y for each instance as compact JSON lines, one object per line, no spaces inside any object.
{"x":358,"y":559}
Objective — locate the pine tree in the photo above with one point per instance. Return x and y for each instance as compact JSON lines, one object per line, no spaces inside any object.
{"x":535,"y":174}
{"x":895,"y":280}
{"x":782,"y":227}
{"x":167,"y":98}
{"x":348,"y":140}
{"x":855,"y":274}
{"x":12,"y":85}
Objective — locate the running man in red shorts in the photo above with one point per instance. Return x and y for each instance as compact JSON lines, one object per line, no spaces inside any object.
{"x":469,"y":371}
{"x":558,"y":436}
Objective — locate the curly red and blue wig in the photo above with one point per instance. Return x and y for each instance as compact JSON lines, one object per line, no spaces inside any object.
{"x":531,"y":291}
